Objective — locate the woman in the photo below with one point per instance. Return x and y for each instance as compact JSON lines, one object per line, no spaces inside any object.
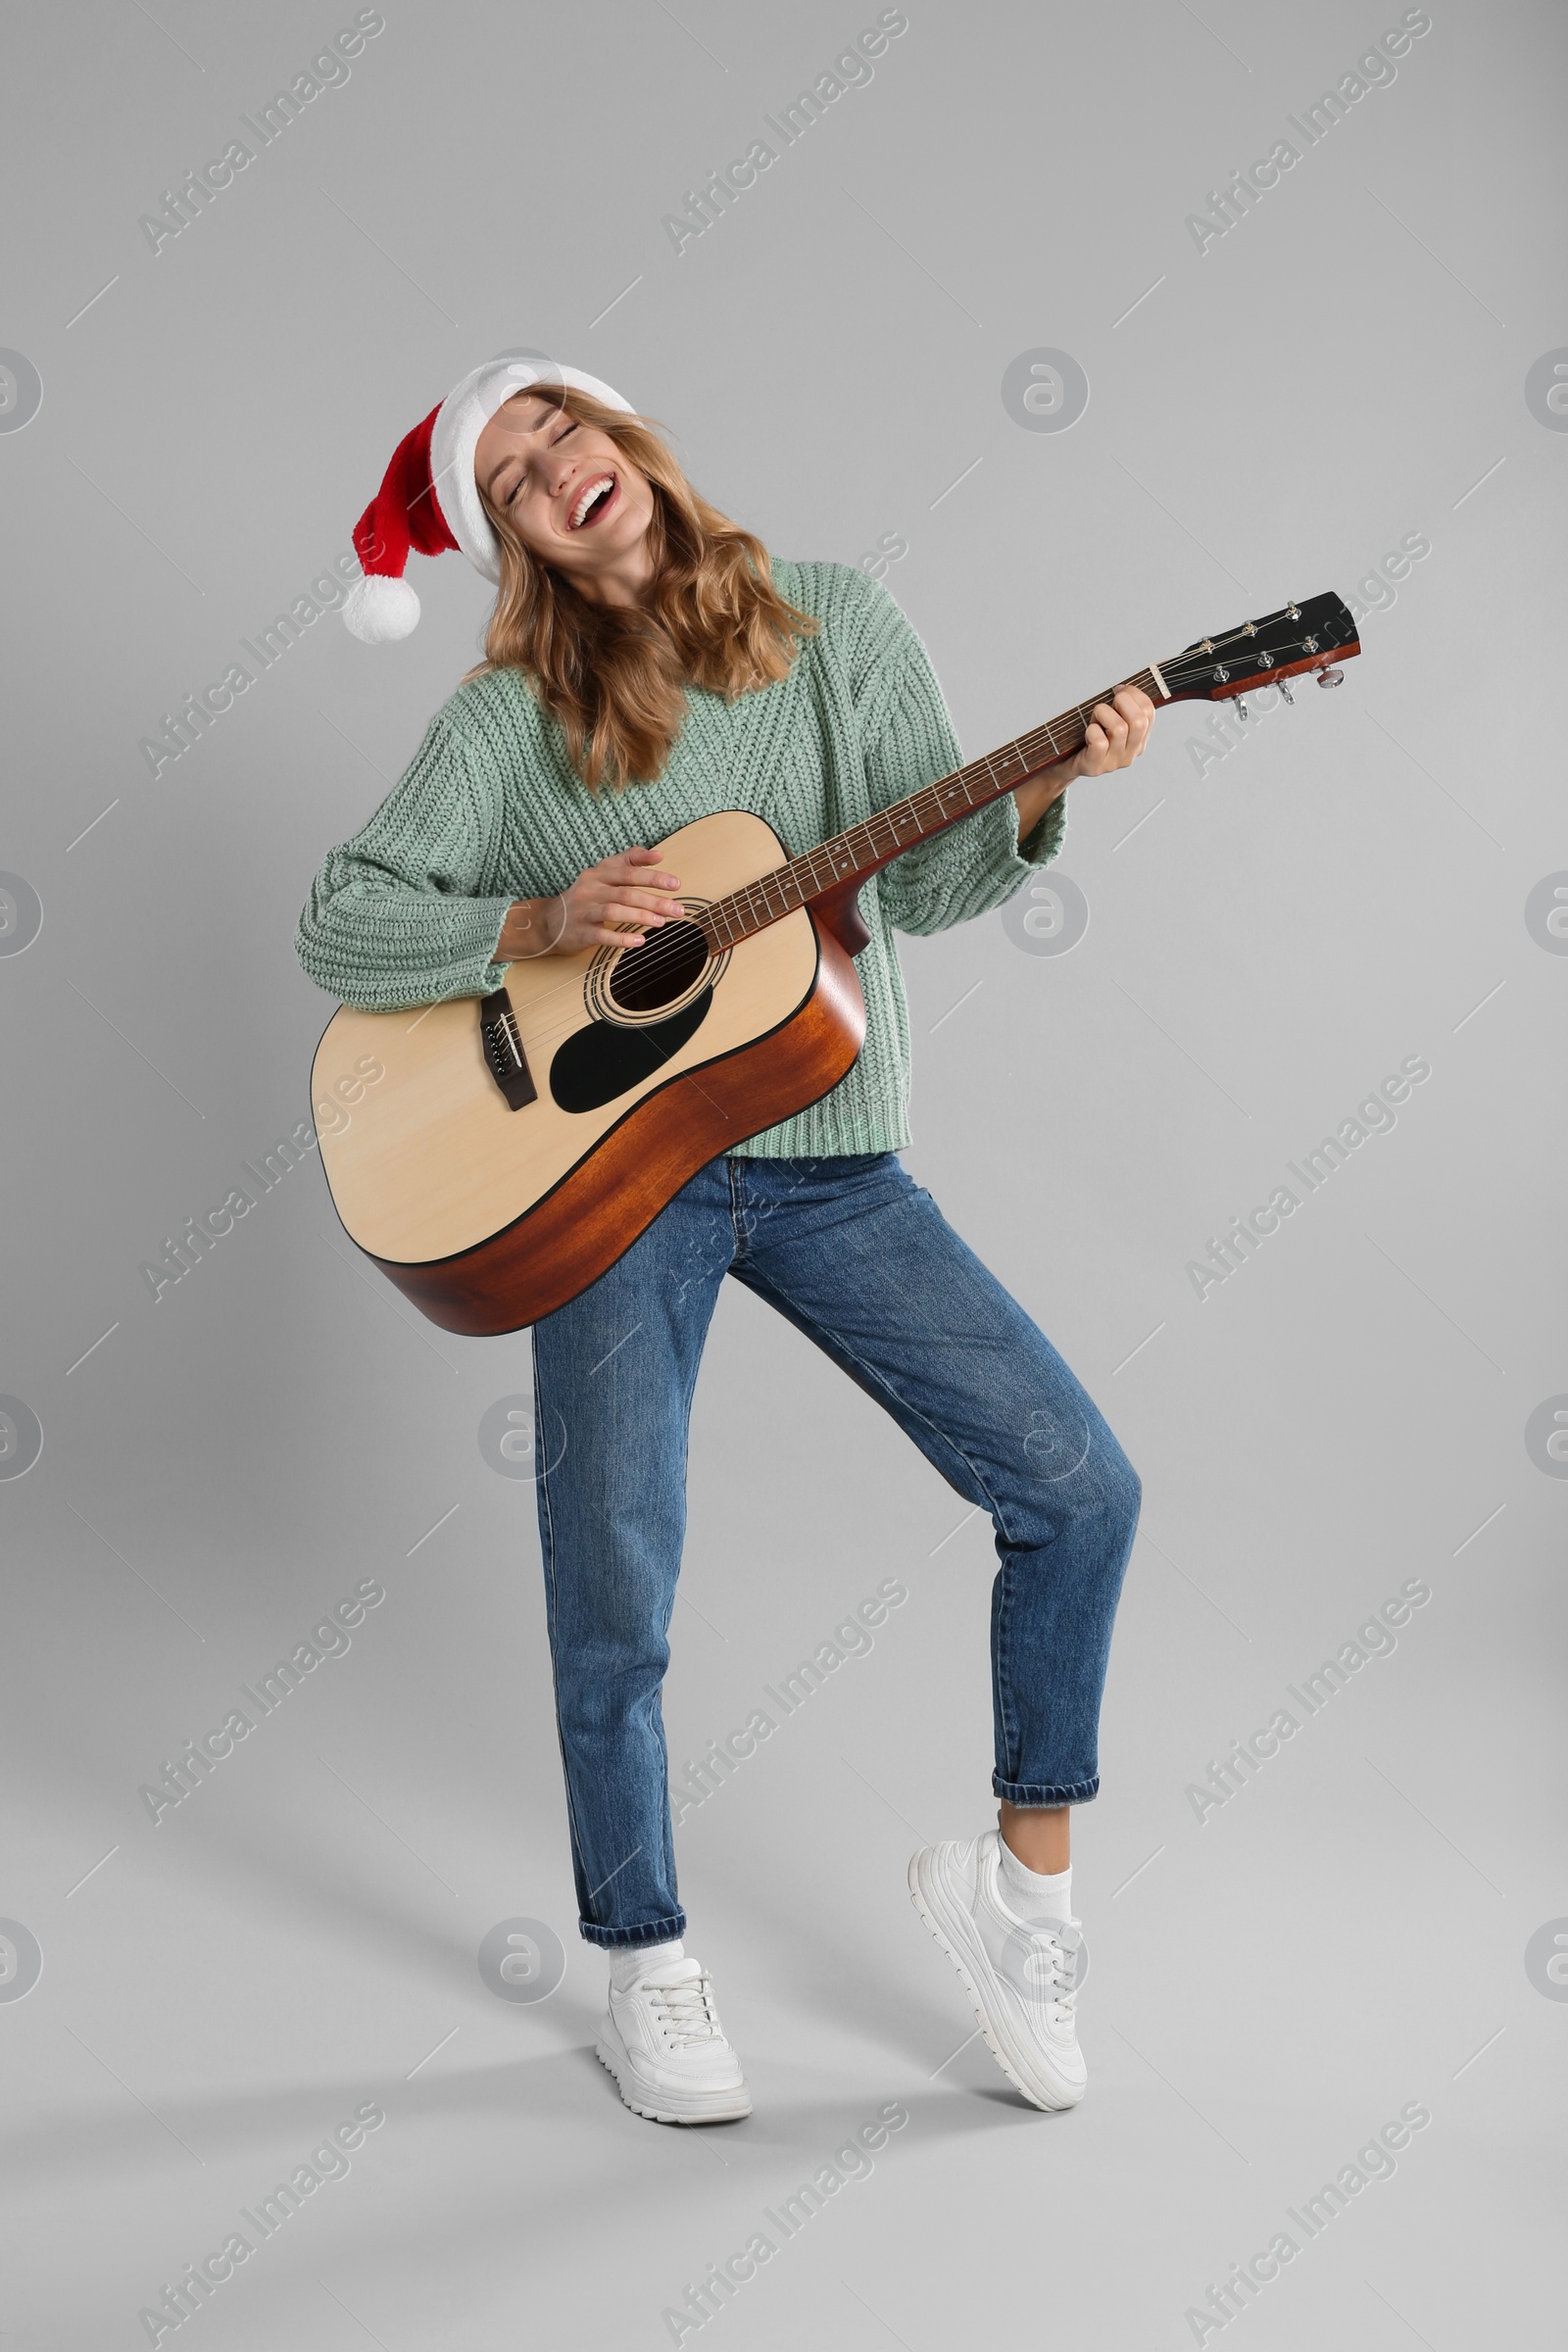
{"x":649,"y":663}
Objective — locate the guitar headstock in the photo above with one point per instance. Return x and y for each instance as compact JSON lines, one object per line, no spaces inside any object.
{"x":1262,"y":653}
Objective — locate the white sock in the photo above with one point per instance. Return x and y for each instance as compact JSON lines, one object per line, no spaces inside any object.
{"x":1035,"y":1894}
{"x":630,"y":1961}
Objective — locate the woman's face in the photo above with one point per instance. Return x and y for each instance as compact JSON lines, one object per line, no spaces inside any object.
{"x":573,"y":498}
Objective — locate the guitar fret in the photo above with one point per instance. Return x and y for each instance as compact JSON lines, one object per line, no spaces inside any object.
{"x":859,"y":850}
{"x":887,"y":832}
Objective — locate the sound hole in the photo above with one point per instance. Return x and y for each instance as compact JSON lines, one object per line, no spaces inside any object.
{"x":671,"y":962}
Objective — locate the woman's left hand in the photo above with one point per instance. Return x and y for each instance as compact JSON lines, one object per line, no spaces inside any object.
{"x":1116,"y":733}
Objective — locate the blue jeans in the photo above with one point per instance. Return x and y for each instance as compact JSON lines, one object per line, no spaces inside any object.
{"x":860,"y":1258}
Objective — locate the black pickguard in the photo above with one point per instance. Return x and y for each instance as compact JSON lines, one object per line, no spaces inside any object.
{"x":602,"y":1061}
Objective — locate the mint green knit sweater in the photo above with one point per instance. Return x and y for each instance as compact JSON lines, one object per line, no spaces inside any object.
{"x":490,"y":811}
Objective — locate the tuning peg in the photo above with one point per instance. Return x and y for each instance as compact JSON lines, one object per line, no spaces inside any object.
{"x":1331,"y":677}
{"x":1242,"y":710}
{"x":1285,"y":689}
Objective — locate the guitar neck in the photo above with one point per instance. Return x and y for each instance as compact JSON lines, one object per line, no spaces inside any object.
{"x":850,"y":857}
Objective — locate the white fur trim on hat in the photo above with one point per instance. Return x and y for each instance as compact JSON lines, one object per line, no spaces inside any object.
{"x":463,"y":418}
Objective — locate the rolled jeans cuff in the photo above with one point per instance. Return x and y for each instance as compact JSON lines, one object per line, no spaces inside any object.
{"x":1040,"y":1793}
{"x":617,"y":1940}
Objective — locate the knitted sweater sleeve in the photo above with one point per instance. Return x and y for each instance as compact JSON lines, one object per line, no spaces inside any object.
{"x":908,"y":741}
{"x":398,"y":915}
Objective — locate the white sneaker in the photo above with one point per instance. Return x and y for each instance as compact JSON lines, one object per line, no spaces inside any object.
{"x":664,"y":2043}
{"x":1020,"y":1975}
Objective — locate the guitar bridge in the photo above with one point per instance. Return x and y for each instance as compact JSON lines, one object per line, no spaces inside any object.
{"x":504,"y":1055}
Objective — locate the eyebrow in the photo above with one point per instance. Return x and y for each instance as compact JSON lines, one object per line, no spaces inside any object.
{"x":498,"y":470}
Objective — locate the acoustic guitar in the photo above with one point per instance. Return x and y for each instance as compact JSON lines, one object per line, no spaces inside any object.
{"x":495,"y":1154}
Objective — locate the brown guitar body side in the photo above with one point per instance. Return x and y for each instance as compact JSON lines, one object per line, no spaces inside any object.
{"x":570,"y":1237}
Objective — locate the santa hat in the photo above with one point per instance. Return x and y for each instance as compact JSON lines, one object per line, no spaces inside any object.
{"x":429,"y":499}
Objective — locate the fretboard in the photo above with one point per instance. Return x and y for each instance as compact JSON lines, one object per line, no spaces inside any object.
{"x":891,"y":831}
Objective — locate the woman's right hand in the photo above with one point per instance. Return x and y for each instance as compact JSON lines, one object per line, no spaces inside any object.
{"x":615,"y":904}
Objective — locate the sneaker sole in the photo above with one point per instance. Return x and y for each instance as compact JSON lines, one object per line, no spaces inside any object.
{"x":950,"y":1928}
{"x":661,"y":2107}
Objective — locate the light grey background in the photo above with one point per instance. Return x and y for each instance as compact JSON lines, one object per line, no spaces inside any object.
{"x":1267,"y":940}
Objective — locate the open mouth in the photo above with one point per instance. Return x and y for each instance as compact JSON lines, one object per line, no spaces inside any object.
{"x":593,"y":502}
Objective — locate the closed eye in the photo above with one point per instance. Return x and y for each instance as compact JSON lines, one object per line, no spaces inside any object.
{"x":517,"y":484}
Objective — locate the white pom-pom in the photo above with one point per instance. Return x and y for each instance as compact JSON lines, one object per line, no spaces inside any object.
{"x":377,"y":609}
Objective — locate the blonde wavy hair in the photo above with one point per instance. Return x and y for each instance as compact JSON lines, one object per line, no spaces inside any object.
{"x":616,"y":676}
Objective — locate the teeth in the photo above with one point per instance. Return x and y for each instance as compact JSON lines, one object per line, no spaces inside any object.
{"x":605,"y":482}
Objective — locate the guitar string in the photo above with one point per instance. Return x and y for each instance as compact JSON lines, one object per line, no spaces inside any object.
{"x":653,"y":963}
{"x":862,"y":846}
{"x":752,"y":899}
{"x":932,"y":799}
{"x":550,"y":1034}
{"x":1183,"y":669}
{"x":799,"y":880}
